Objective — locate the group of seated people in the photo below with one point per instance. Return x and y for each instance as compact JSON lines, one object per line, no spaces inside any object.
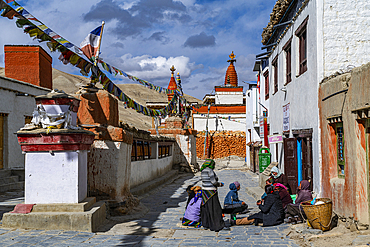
{"x":276,"y":203}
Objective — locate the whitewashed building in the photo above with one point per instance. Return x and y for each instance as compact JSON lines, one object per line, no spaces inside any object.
{"x":306,"y":41}
{"x":226,"y":107}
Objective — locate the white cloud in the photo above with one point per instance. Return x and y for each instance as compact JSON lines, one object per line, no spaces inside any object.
{"x":149,"y":67}
{"x":236,"y":26}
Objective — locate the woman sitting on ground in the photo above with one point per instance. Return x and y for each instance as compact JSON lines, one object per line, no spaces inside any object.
{"x":284,"y":194}
{"x":232,"y":204}
{"x":192,"y":212}
{"x":294,"y":212}
{"x":232,"y":198}
{"x":280,"y":177}
{"x":272,"y":212}
{"x":269,"y":181}
{"x":191,"y":193}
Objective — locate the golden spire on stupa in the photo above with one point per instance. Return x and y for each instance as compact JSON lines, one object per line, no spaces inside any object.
{"x":231,"y":78}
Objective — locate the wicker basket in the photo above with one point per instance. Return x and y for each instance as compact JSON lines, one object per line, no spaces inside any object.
{"x":319,"y":216}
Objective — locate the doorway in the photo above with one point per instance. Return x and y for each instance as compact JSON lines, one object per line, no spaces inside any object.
{"x":298,"y":158}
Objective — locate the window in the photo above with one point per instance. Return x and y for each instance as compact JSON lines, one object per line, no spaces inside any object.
{"x":27,"y":119}
{"x":164,"y":151}
{"x":141,"y":150}
{"x":275,"y":66}
{"x":266,"y":75}
{"x":133,"y":151}
{"x":288,"y":61}
{"x":340,"y":148}
{"x":301,"y":33}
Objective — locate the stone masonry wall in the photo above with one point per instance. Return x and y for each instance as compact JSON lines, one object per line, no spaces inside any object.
{"x":345,"y":34}
{"x":222,"y":144}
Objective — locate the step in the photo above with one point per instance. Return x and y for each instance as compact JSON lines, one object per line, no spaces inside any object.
{"x":83,"y":206}
{"x":88,"y":221}
{"x":12,"y":187}
{"x":5,"y":173}
{"x":9,"y":180}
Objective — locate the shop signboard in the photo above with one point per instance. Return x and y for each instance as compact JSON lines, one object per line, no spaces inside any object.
{"x":286,"y":116}
{"x":275,"y":139}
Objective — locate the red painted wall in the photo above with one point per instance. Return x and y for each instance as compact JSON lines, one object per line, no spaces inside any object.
{"x":30,"y":64}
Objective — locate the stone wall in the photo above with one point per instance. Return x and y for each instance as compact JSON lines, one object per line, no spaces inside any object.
{"x":222,"y":144}
{"x":346,"y":38}
{"x":345,"y":99}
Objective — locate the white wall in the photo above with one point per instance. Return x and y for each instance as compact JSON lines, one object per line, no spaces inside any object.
{"x":345,"y":34}
{"x":301,"y":92}
{"x":251,"y":123}
{"x":146,"y":170}
{"x":229,"y":98}
{"x":200,"y":122}
{"x":60,"y":177}
{"x":17,"y":107}
{"x":109,"y":168}
{"x":185,"y":150}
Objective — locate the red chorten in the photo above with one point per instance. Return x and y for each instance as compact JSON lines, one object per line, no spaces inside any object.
{"x":231,"y":78}
{"x":172,"y":85}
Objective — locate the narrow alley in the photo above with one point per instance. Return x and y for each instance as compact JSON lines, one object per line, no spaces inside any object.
{"x":161,"y":226}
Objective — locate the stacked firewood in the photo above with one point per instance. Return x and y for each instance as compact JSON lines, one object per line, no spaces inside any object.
{"x":222,"y":144}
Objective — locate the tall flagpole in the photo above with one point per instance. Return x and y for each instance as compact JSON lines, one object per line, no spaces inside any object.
{"x":99,"y":43}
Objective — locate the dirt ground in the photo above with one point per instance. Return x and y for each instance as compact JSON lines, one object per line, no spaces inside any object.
{"x":338,"y":236}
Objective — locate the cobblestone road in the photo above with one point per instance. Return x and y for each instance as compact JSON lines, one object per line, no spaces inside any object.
{"x":166,"y":208}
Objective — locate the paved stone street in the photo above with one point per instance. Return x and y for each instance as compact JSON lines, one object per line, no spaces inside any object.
{"x":161,"y":226}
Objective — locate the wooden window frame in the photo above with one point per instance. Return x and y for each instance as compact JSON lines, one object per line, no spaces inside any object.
{"x":27,"y":119}
{"x":301,"y":33}
{"x":145,"y":150}
{"x":276,"y":74}
{"x":340,"y":148}
{"x":267,"y":89}
{"x":288,"y":61}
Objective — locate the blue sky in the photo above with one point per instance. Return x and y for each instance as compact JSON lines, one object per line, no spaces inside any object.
{"x":146,"y":37}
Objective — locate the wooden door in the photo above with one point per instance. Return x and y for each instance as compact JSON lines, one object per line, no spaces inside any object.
{"x":1,"y":141}
{"x":307,"y":173}
{"x":290,"y":162}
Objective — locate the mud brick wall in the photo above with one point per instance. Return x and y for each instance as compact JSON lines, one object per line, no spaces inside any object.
{"x":222,"y":144}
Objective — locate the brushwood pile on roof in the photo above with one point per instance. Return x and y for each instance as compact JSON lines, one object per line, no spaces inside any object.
{"x":277,"y":13}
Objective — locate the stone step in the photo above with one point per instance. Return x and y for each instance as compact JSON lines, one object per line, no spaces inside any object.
{"x":87,"y":221}
{"x":9,"y":180}
{"x":12,"y":186}
{"x":83,"y":206}
{"x":5,"y":173}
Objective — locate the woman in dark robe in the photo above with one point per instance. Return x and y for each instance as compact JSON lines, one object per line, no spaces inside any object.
{"x":272,"y":212}
{"x":211,"y":211}
{"x":280,"y":177}
{"x":294,"y":212}
{"x":284,"y":194}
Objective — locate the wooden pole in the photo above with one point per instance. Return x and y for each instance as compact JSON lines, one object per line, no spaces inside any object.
{"x":206,"y":137}
{"x":99,"y":43}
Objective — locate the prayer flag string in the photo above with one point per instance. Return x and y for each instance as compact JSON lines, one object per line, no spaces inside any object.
{"x":71,"y":53}
{"x":35,"y":28}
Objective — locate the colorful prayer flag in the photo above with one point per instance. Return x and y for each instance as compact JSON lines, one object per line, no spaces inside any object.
{"x":89,"y":45}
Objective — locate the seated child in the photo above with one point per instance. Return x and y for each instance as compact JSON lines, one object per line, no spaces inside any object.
{"x":269,"y":181}
{"x":191,"y":194}
{"x":232,"y":204}
{"x":192,"y":212}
